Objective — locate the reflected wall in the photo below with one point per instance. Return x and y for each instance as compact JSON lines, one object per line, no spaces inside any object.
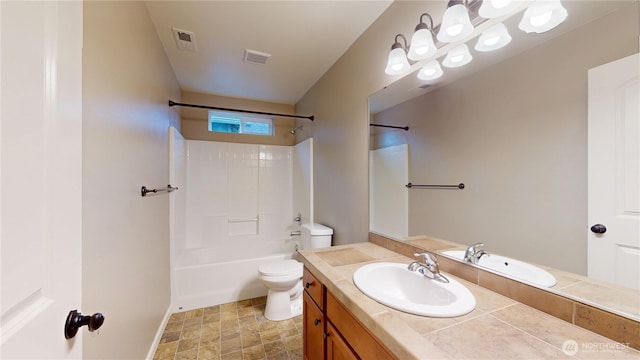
{"x":516,"y":135}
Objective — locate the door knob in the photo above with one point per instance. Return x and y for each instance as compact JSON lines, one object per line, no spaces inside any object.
{"x":599,"y":229}
{"x":75,"y":320}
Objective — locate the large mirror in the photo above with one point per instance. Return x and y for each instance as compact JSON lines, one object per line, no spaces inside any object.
{"x":512,"y":126}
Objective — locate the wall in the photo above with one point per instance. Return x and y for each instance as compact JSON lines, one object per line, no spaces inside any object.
{"x":341,"y":127}
{"x":127,"y":80}
{"x":195,"y":121}
{"x":516,"y":135}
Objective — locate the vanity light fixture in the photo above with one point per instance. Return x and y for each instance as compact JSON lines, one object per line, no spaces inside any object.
{"x":397,"y":62}
{"x":430,"y":71}
{"x":456,"y":24}
{"x":422,"y":45}
{"x":542,"y":15}
{"x":494,"y":38}
{"x":495,"y":8}
{"x":458,"y":56}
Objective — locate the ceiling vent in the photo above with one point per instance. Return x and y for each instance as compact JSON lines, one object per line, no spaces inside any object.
{"x":186,"y":40}
{"x":255,"y":57}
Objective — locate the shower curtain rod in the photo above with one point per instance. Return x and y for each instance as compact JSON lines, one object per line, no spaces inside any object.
{"x":172,"y":103}
{"x":405,"y":128}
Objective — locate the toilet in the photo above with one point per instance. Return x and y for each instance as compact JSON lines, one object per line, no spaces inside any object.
{"x":283,"y":278}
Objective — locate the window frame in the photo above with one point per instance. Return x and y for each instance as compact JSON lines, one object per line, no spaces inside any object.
{"x":243,"y":119}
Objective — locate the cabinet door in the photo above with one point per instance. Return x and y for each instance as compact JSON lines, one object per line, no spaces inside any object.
{"x":313,"y":329}
{"x":337,"y":348}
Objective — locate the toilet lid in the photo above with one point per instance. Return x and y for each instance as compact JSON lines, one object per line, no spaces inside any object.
{"x":284,"y":267}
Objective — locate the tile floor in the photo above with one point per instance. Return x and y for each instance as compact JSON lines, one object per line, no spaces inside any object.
{"x":235,"y":330}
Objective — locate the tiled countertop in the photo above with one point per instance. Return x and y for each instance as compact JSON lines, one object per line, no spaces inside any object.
{"x":499,"y":327}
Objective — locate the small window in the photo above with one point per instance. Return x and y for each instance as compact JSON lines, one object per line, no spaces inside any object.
{"x":236,"y":123}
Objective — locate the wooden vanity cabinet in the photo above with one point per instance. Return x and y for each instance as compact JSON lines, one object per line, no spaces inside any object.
{"x":331,"y":332}
{"x":313,"y":318}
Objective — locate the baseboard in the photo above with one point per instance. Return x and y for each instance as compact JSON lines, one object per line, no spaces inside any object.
{"x":156,"y":340}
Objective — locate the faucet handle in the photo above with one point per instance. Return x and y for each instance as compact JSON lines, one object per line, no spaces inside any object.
{"x":429,"y":258}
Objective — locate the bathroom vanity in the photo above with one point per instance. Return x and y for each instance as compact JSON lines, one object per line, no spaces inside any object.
{"x":340,"y":322}
{"x":323,"y":316}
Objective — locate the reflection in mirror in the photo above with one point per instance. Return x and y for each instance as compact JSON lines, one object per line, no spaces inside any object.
{"x":389,"y":205}
{"x":513,"y":127}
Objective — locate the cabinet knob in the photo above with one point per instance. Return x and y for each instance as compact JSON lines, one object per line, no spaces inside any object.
{"x":316,"y":321}
{"x":308,"y":284}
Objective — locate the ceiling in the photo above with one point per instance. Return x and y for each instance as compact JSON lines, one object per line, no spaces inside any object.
{"x":304,"y":38}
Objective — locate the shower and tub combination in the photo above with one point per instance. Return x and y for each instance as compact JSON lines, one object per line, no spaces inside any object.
{"x":236,"y":213}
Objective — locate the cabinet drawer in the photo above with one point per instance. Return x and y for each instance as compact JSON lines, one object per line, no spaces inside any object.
{"x":355,"y":334}
{"x":314,"y":288}
{"x":313,"y":326}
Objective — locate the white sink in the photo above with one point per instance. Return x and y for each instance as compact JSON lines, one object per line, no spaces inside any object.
{"x":392,"y":284}
{"x":516,"y":269}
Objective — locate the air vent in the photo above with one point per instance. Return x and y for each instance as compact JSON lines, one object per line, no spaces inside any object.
{"x":256,"y":57}
{"x":186,"y":40}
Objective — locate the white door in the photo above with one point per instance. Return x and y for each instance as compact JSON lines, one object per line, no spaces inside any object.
{"x":614,"y":172}
{"x":40,"y":177}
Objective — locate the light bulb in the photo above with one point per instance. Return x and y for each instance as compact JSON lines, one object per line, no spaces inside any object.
{"x":491,"y":41}
{"x":397,"y":62}
{"x":455,"y":30}
{"x":495,"y":8}
{"x":455,"y":24}
{"x":430,"y":71}
{"x":422,"y":45}
{"x":499,"y":4}
{"x":543,"y":15}
{"x":458,"y":56}
{"x":493,"y":38}
{"x":541,"y":19}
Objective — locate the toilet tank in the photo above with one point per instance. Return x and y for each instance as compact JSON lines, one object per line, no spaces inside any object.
{"x":315,"y":236}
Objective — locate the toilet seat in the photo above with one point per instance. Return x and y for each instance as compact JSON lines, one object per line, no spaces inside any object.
{"x":281,"y":268}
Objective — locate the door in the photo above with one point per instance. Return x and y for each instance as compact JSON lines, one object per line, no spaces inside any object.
{"x":614,"y":172}
{"x":40,"y":177}
{"x":313,"y":329}
{"x":337,"y":348}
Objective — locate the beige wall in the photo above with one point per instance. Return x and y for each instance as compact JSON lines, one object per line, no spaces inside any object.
{"x":194,"y":120}
{"x":516,"y":135}
{"x":127,"y":81}
{"x":341,"y":127}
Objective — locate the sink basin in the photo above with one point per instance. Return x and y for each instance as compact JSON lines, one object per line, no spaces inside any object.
{"x":516,"y":269}
{"x":392,"y":284}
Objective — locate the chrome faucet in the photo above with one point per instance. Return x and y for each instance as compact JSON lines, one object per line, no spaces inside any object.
{"x":473,"y":253}
{"x":429,"y":268}
{"x":298,"y":219}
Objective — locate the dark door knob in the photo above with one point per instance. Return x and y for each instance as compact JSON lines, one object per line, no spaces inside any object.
{"x":75,"y":320}
{"x":599,"y":229}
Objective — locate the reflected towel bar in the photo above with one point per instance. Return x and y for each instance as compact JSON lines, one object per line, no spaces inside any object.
{"x":144,"y":191}
{"x":459,"y":186}
{"x":405,"y":128}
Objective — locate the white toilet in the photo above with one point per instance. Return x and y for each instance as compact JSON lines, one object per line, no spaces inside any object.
{"x":284,"y":278}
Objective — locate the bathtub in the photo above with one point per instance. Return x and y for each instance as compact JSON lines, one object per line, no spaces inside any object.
{"x":202,"y":277}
